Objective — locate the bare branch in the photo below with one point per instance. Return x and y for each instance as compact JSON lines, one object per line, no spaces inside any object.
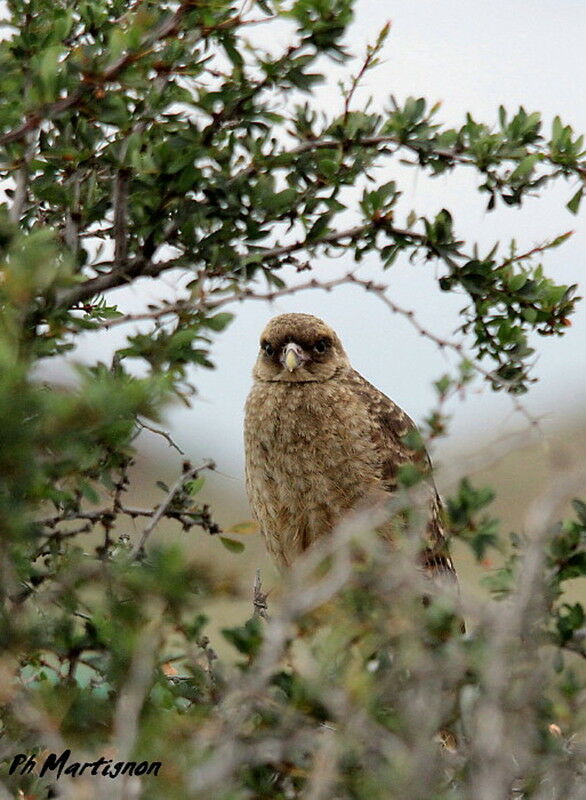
{"x":380,"y":290}
{"x":137,"y":268}
{"x":190,"y":473}
{"x":162,"y":433}
{"x":259,"y":598}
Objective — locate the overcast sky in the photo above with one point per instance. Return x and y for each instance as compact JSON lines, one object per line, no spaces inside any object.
{"x":472,"y":56}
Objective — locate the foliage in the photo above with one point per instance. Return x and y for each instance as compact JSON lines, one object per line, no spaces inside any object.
{"x":136,"y":141}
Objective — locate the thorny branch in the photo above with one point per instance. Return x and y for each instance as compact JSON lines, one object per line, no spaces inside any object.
{"x":159,"y":432}
{"x":108,"y":515}
{"x":144,"y":268}
{"x":378,"y":289}
{"x":188,"y":474}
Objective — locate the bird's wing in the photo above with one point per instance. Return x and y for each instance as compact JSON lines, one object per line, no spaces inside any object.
{"x":391,"y":425}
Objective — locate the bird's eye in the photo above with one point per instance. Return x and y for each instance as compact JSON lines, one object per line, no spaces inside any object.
{"x":320,"y":346}
{"x":269,"y":349}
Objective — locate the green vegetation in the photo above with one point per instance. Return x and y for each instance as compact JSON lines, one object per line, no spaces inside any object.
{"x":135,"y":141}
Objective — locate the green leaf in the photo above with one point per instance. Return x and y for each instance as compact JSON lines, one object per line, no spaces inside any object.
{"x":563,"y":237}
{"x":525,"y":167}
{"x":194,"y":486}
{"x":232,"y":545}
{"x":319,"y":228}
{"x":517,"y":281}
{"x":409,"y":475}
{"x":248,"y":638}
{"x":232,"y":52}
{"x":574,"y":204}
{"x":219,"y":321}
{"x":580,"y":509}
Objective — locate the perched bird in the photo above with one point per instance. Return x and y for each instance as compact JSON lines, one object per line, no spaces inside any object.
{"x":320,"y":440}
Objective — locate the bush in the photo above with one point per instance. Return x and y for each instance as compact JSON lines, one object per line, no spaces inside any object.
{"x":144,"y":140}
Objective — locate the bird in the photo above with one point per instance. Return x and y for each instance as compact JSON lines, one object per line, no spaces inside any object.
{"x":320,"y":441}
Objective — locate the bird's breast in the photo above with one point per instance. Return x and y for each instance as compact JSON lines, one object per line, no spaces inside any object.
{"x":309,"y":456}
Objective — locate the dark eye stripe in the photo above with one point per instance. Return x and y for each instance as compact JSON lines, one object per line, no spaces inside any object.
{"x":322,"y":344}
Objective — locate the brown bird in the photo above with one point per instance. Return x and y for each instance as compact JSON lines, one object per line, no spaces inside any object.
{"x":320,"y":440}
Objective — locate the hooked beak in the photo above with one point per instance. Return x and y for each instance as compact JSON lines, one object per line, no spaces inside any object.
{"x":292,"y":356}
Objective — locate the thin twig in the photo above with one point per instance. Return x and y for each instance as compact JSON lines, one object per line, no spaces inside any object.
{"x":162,"y":508}
{"x":162,"y":433}
{"x":371,"y":53}
{"x":259,"y":598}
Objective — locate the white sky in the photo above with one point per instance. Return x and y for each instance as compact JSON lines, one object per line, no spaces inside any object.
{"x":472,"y":56}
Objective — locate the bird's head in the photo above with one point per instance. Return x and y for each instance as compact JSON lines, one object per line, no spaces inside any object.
{"x":298,"y":348}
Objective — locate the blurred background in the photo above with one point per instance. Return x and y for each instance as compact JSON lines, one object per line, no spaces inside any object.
{"x":471,"y":57}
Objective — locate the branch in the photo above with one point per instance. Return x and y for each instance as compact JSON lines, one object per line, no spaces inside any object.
{"x":369,"y":62}
{"x":341,"y":144}
{"x":138,"y":549}
{"x":121,"y":275}
{"x":141,"y":268}
{"x":35,"y":120}
{"x":259,"y":598}
{"x":162,"y":433}
{"x":336,"y":236}
{"x":22,"y":176}
{"x":450,"y":154}
{"x":208,"y":305}
{"x":93,"y":516}
{"x":377,"y":289}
